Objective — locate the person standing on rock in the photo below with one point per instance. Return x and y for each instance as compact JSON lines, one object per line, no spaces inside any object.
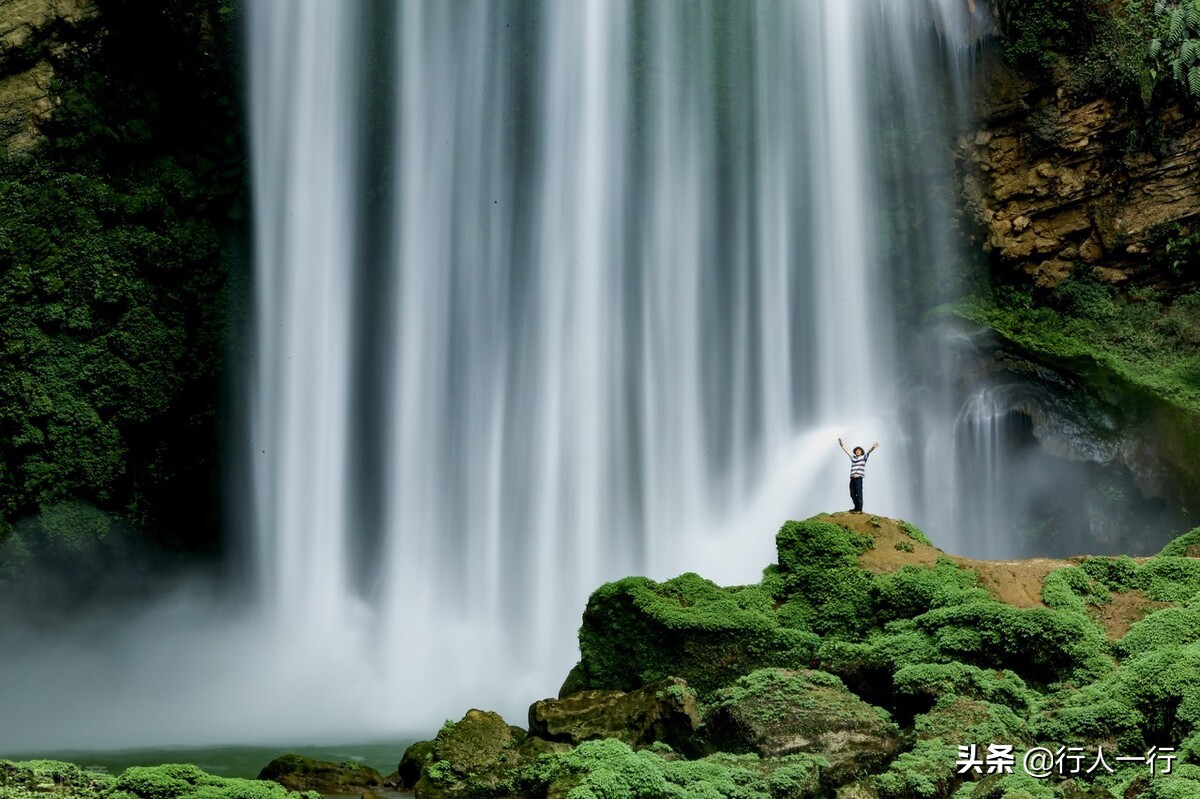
{"x":858,"y":470}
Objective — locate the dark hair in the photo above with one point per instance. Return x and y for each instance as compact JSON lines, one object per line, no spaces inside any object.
{"x":857,"y":450}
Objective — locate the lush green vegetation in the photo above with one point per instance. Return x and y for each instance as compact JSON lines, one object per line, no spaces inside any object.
{"x":1142,"y":52}
{"x":114,"y":241}
{"x":1147,"y":336}
{"x":636,"y":631}
{"x":35,"y":779}
{"x":608,"y":768}
{"x":930,"y":647}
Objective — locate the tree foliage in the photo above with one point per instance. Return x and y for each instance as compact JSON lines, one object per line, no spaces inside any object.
{"x":114,"y":234}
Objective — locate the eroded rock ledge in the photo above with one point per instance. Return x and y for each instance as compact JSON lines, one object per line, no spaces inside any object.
{"x":1055,"y":179}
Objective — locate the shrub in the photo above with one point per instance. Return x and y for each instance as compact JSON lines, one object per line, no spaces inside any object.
{"x":925,"y":772}
{"x":1170,"y":579}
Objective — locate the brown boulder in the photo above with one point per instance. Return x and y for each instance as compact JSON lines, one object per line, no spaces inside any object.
{"x":662,"y":711}
{"x":299,"y":773}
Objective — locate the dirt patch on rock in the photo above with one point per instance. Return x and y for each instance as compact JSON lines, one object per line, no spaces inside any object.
{"x":1015,"y":582}
{"x":1125,"y":610}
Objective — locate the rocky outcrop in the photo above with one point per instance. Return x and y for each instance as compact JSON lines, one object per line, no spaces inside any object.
{"x":299,"y":773}
{"x":481,"y":754}
{"x":776,"y":712}
{"x":1054,"y":181}
{"x":664,"y":711}
{"x":32,"y":35}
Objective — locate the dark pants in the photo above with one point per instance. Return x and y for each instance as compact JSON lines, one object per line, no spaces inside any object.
{"x":856,"y":492}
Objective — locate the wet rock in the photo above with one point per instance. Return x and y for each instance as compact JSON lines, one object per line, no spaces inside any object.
{"x":411,"y":764}
{"x":662,"y":711}
{"x":299,"y":773}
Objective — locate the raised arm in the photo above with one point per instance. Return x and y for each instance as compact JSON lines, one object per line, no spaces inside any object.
{"x":843,"y":446}
{"x":874,"y":447}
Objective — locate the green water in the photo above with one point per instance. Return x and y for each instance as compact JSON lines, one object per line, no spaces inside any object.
{"x":227,"y":761}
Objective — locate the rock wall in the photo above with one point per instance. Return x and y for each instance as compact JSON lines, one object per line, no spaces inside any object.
{"x":1054,"y":180}
{"x":31,"y":37}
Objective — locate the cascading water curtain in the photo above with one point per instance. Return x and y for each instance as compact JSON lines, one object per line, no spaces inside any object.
{"x":558,"y":292}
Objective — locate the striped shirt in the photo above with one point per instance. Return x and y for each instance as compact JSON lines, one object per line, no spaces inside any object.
{"x":858,"y":465}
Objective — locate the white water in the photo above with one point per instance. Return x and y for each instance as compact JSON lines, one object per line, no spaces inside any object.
{"x":589,"y":289}
{"x":630,"y":298}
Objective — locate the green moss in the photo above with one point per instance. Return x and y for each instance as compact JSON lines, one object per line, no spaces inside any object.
{"x":914,"y":532}
{"x":1115,"y":574}
{"x":1166,"y":627}
{"x":1042,"y":645}
{"x":113,"y":279}
{"x":609,"y":769}
{"x":914,"y":590}
{"x":636,"y":631}
{"x":1014,"y":786}
{"x":29,"y":779}
{"x":1072,"y":588}
{"x":1170,"y":579}
{"x":1183,"y":546}
{"x":827,"y":590}
{"x":1153,"y":699}
{"x":925,"y":772}
{"x":1149,"y":340}
{"x":936,"y":680}
{"x":958,"y":718}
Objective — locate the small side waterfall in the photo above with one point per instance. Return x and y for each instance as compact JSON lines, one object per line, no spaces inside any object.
{"x":625,"y":292}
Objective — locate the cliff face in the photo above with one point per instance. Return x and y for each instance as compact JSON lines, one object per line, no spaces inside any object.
{"x":1054,"y":180}
{"x":30,"y":38}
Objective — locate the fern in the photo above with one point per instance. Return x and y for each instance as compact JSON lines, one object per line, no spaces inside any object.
{"x":1190,"y":51}
{"x":1176,"y":27}
{"x":1194,"y":81}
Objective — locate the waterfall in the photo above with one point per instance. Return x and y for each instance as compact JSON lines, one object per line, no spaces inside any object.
{"x":547,"y":293}
{"x":622,"y":293}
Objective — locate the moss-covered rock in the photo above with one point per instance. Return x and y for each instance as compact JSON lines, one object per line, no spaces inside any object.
{"x":608,"y":769}
{"x":1040,"y":644}
{"x":664,"y":711}
{"x":1185,"y":546}
{"x":412,"y":763}
{"x":636,"y":631}
{"x":480,"y":756}
{"x":300,"y":773}
{"x":1152,"y":699}
{"x":775,"y":712}
{"x":919,"y":687}
{"x":33,"y":779}
{"x":826,"y":589}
